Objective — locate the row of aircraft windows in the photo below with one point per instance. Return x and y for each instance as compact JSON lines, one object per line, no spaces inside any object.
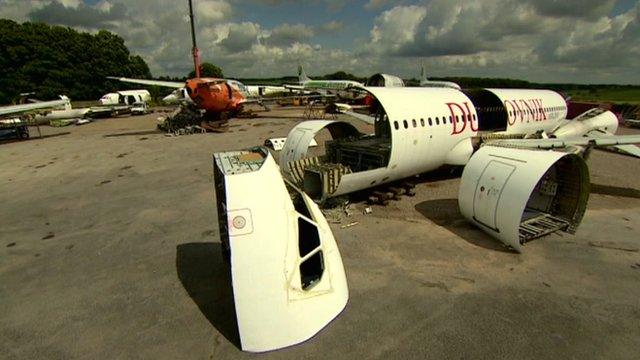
{"x":432,"y":121}
{"x":535,"y":110}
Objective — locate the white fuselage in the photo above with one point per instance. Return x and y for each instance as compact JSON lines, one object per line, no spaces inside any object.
{"x":125,"y":97}
{"x":432,"y":127}
{"x":264,"y":90}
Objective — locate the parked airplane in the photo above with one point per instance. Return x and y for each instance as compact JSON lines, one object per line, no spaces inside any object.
{"x":12,"y":125}
{"x":126,"y":97}
{"x":36,"y":106}
{"x":524,"y":177}
{"x":344,"y":89}
{"x":265,"y":90}
{"x":424,"y":82}
{"x":218,"y":98}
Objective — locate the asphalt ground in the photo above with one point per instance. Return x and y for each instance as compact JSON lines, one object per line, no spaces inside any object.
{"x":109,"y":249}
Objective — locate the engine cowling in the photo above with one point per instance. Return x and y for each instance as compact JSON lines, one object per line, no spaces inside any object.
{"x":384,"y":80}
{"x":594,"y":119}
{"x":518,"y":195}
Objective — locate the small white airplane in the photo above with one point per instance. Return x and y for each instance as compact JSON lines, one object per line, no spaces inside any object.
{"x":424,"y":82}
{"x":525,"y":176}
{"x":344,"y":89}
{"x":127,"y":97}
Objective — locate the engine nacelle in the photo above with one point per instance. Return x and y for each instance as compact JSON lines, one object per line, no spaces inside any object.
{"x":384,"y":80}
{"x":519,"y":195}
{"x":594,"y":119}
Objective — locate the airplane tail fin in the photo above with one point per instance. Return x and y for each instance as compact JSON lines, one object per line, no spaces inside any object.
{"x":302,"y":76}
{"x":423,"y":74}
{"x":67,"y":105}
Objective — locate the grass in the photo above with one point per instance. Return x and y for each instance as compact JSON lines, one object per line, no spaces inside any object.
{"x":613,"y":95}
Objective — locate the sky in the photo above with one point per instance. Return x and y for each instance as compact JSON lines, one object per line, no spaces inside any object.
{"x":580,"y":41}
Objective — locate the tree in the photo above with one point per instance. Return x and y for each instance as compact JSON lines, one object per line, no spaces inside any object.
{"x":55,"y":60}
{"x":208,"y":70}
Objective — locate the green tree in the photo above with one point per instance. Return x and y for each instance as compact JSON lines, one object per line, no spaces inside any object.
{"x":208,"y":70}
{"x":55,"y":60}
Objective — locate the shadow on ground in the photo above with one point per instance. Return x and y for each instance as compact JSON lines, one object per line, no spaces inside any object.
{"x":615,"y":191}
{"x":207,"y":280}
{"x":445,"y":213}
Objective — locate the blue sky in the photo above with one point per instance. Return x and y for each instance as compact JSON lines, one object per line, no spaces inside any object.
{"x":585,"y":41}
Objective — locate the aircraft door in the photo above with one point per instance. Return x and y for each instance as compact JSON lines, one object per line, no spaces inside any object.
{"x":488,"y":191}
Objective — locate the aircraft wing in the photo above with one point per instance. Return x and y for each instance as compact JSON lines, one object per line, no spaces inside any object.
{"x":362,"y":117}
{"x":22,"y":108}
{"x":600,"y":141}
{"x":293,"y":87}
{"x":170,"y":84}
{"x":627,"y":149}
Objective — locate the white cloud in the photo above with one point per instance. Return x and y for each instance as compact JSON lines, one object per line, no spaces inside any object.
{"x":542,"y":40}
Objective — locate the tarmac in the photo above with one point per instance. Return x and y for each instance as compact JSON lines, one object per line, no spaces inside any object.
{"x":109,"y":249}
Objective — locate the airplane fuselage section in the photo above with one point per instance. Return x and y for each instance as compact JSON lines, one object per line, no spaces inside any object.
{"x":432,"y":127}
{"x":214,"y":95}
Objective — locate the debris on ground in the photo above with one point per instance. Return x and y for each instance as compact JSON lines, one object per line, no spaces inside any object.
{"x":349,"y":209}
{"x":367,"y":210}
{"x":349,"y":225}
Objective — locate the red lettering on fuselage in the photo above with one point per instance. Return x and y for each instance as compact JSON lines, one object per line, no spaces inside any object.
{"x":455,"y":130}
{"x":542,"y":115}
{"x":464,"y":113}
{"x":511,"y":113}
{"x":472,"y":124}
{"x":528,"y":111}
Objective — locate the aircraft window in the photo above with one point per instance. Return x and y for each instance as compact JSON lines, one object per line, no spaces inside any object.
{"x":395,"y":125}
{"x":311,"y":270}
{"x":405,"y":123}
{"x":430,"y":122}
{"x":300,"y":205}
{"x":414,"y":123}
{"x":457,"y":118}
{"x":308,"y":238}
{"x":474,"y":117}
{"x":422,"y":122}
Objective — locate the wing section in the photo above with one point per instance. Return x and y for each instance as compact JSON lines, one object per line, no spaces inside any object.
{"x":551,"y":143}
{"x":170,"y":84}
{"x":22,"y":108}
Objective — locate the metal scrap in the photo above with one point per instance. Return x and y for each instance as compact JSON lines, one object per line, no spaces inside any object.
{"x":345,"y":226}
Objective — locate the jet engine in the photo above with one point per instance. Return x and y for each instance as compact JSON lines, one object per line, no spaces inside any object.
{"x":384,"y":80}
{"x":518,"y":195}
{"x":594,"y":119}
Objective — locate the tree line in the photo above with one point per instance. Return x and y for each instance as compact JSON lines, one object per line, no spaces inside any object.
{"x":55,"y":60}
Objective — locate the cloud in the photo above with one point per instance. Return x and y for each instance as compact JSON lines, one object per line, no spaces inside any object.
{"x":397,"y":27}
{"x":241,"y":37}
{"x":287,"y":34}
{"x":540,"y":40}
{"x":376,"y":4}
{"x":591,"y":9}
{"x":76,"y":14}
{"x":210,"y":10}
{"x":534,"y":40}
{"x":331,"y":27}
